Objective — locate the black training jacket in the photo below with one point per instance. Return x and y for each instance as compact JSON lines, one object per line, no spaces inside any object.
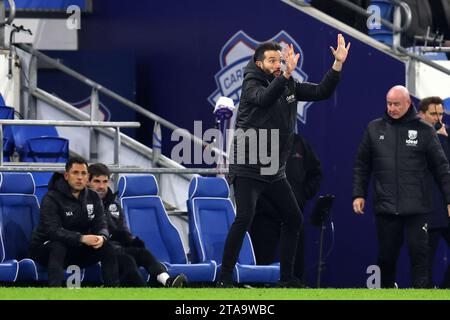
{"x":439,"y":218}
{"x":400,"y":155}
{"x":269,"y":102}
{"x":115,"y":218}
{"x":65,"y":218}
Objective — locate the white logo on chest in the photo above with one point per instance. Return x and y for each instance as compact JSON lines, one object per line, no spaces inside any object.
{"x":113,"y":210}
{"x":290,"y":99}
{"x":90,"y":211}
{"x":412,"y":138}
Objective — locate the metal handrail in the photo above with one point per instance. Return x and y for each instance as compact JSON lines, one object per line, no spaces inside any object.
{"x":65,"y":123}
{"x":385,"y":22}
{"x":18,"y":167}
{"x":424,"y":60}
{"x":109,"y":132}
{"x":397,"y":48}
{"x":12,"y":14}
{"x":115,"y":96}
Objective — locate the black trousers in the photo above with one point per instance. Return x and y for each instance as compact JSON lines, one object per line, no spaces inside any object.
{"x":130,"y":259}
{"x":265,"y":233}
{"x":435,"y":235}
{"x":129,"y":273}
{"x":144,"y":258}
{"x":247,"y":191}
{"x":390,"y":231}
{"x":56,"y":256}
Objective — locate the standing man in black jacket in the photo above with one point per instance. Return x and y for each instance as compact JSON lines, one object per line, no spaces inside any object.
{"x":304,"y":174}
{"x":400,"y":150}
{"x":431,"y":110}
{"x":266,"y":117}
{"x":131,"y":251}
{"x":72,"y":229}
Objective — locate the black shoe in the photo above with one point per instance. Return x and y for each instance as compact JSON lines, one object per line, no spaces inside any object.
{"x":291,"y":283}
{"x":224,"y":284}
{"x":178,"y":281}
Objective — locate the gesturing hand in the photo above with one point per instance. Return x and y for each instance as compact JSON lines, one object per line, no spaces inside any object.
{"x":341,"y":52}
{"x":290,"y":59}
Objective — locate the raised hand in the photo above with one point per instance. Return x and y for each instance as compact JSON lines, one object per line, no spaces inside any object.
{"x":290,"y":59}
{"x":341,"y":52}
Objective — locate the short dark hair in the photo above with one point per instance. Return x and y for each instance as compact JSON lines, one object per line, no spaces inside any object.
{"x":73,"y":160}
{"x":424,"y":104}
{"x":263,"y":47}
{"x":98,"y":169}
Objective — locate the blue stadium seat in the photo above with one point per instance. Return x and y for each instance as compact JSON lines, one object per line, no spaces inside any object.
{"x":447,"y":105}
{"x":147,"y":219}
{"x":41,"y":180}
{"x":40,"y":144}
{"x":383,"y":34}
{"x":211,"y":214}
{"x":8,"y":140}
{"x":18,"y":217}
{"x":8,"y":149}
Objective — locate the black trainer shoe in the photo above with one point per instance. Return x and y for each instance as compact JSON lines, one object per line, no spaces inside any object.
{"x":178,"y":281}
{"x":224,"y":284}
{"x":291,"y":283}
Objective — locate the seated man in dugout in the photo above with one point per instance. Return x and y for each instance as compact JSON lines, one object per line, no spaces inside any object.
{"x":130,"y":250}
{"x":72,"y":228}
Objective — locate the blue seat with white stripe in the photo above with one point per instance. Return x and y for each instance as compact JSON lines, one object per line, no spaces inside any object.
{"x":19,"y":212}
{"x":147,"y":218}
{"x":211,"y":214}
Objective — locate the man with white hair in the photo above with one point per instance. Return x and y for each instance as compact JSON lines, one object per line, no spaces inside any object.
{"x":400,"y":150}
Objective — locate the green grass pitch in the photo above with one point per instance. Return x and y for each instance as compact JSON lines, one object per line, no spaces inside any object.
{"x":14,"y":293}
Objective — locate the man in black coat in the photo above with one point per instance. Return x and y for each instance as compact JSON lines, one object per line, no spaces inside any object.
{"x":432,"y":111}
{"x":72,"y":229}
{"x":262,"y":143}
{"x":399,"y":151}
{"x":304,"y":173}
{"x":131,"y":251}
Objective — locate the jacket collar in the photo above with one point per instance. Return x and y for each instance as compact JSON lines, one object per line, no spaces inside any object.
{"x":109,"y":198}
{"x":409,"y":116}
{"x":257,"y":72}
{"x":58,"y":183}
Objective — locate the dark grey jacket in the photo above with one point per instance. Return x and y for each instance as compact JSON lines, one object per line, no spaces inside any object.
{"x":401,"y":155}
{"x":120,"y":234}
{"x":269,"y":102}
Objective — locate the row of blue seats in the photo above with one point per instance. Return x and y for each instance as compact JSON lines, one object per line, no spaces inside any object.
{"x":210,"y":211}
{"x":32,"y":143}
